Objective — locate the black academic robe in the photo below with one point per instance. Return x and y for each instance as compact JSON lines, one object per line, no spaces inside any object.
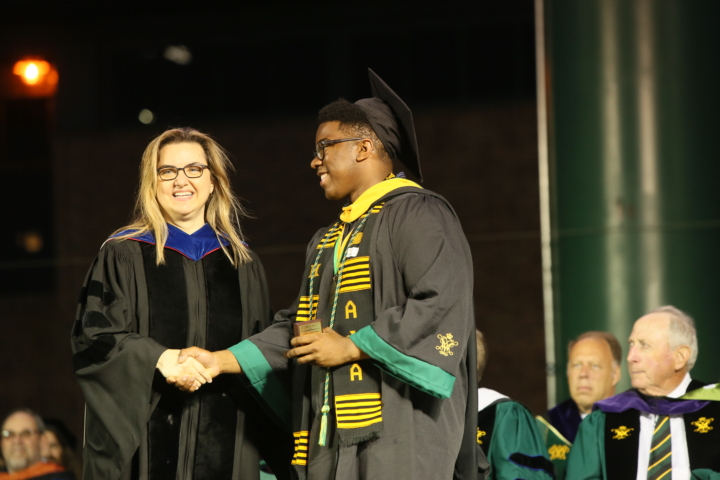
{"x":607,"y":443}
{"x":422,"y":287}
{"x":131,"y":310}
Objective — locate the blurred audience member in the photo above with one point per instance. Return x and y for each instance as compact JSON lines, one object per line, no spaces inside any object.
{"x":59,"y":446}
{"x":593,"y":371}
{"x":21,"y":438}
{"x":649,"y":432}
{"x":507,"y":433}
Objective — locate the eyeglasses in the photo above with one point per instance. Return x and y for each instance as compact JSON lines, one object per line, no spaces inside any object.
{"x":191,"y":171}
{"x":25,"y":434}
{"x":320,"y":146}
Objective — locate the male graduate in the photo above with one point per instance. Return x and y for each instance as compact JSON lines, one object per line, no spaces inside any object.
{"x":593,"y":371}
{"x":649,"y":432}
{"x":384,"y":387}
{"x":507,"y":433}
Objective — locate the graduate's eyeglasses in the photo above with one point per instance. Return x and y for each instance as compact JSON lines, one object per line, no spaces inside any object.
{"x":191,"y":171}
{"x":25,"y":434}
{"x":320,"y":146}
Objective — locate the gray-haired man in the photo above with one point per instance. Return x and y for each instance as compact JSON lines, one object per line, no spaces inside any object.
{"x":648,"y":432}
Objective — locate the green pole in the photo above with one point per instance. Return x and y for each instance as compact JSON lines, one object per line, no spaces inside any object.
{"x":629,"y":97}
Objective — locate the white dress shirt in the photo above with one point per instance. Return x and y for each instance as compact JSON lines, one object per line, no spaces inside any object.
{"x":680,"y":459}
{"x":487,"y":396}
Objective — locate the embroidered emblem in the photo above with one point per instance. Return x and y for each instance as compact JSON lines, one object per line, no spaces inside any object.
{"x":621,"y":432}
{"x":358,"y":238}
{"x":315,"y":271}
{"x":703,"y":424}
{"x":446,"y":343}
{"x":558,"y":452}
{"x":480,"y":434}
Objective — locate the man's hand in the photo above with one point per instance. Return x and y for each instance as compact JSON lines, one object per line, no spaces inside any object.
{"x":215,"y":362}
{"x":326,"y":349}
{"x":187,"y":377}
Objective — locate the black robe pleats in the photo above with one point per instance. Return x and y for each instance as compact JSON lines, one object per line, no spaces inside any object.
{"x":138,"y":426}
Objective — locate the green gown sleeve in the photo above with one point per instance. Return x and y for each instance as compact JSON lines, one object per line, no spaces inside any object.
{"x":517,"y":450}
{"x":704,"y":474}
{"x":421,"y":339}
{"x":587,"y":457}
{"x":262,"y":358}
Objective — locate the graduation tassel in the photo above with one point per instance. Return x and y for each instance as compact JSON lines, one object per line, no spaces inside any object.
{"x":325,"y":409}
{"x":323,"y":426}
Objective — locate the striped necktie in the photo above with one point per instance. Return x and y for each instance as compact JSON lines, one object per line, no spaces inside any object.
{"x":660,"y":464}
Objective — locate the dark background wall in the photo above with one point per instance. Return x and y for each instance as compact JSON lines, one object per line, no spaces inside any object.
{"x":257,"y":78}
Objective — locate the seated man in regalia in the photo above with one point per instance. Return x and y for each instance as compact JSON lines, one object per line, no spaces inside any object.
{"x":654,"y":430}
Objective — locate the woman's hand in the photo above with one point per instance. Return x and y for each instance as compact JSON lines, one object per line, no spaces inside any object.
{"x":187,"y":376}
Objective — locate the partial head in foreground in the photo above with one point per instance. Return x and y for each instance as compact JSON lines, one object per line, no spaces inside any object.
{"x":184,"y":181}
{"x":593,"y":368}
{"x":662,"y":350}
{"x":21,"y":439}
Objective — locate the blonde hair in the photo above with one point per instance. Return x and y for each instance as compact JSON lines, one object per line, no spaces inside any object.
{"x":222,"y":210}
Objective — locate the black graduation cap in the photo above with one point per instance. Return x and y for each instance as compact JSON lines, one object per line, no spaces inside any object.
{"x":393,"y":123}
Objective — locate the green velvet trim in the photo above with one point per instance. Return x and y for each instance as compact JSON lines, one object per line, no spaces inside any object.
{"x":263,"y":379}
{"x":704,"y":474}
{"x":709,"y":392}
{"x":421,"y":375}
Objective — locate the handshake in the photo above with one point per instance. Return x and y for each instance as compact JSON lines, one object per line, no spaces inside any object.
{"x":188,"y":369}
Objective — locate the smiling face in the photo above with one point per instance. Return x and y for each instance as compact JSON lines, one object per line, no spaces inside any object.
{"x":183,"y":199}
{"x":592,"y":374}
{"x":655,"y":369}
{"x":23,"y":449}
{"x":341,"y":174}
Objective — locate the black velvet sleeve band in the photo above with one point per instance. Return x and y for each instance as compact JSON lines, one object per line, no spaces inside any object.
{"x":533,"y":463}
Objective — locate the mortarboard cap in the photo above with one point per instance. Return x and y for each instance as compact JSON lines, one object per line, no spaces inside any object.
{"x":392,"y":122}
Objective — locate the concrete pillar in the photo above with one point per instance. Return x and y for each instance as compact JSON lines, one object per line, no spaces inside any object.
{"x":628,"y":96}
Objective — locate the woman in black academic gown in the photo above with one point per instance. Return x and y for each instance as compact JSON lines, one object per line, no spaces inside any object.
{"x":179,"y":275}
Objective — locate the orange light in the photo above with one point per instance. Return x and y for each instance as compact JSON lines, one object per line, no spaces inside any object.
{"x":32,"y":72}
